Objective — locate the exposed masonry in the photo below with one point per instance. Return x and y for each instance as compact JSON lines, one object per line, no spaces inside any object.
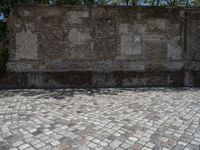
{"x":103,"y":119}
{"x":106,"y":39}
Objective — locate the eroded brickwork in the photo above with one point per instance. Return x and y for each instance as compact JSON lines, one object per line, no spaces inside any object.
{"x":131,"y":42}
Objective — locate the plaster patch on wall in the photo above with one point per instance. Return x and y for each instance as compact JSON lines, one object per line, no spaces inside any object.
{"x":150,"y":26}
{"x":17,"y":25}
{"x":76,"y":16}
{"x":188,"y":80}
{"x":154,"y":38}
{"x":157,"y":23}
{"x":175,"y":65}
{"x":174,"y":50}
{"x":134,"y":65}
{"x":77,"y":37}
{"x":129,"y":46}
{"x":19,"y":67}
{"x":26,"y":13}
{"x":130,"y":43}
{"x":26,"y":43}
{"x":139,"y":27}
{"x":124,"y":28}
{"x":35,"y":80}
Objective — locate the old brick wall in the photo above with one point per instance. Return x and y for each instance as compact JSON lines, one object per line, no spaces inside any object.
{"x":104,"y":46}
{"x":3,"y":49}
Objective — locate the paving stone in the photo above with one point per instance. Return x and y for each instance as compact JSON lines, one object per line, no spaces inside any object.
{"x":115,"y":144}
{"x":172,"y":142}
{"x":102,"y":143}
{"x":39,"y":145}
{"x":30,"y":148}
{"x":16,"y":144}
{"x":92,"y":145}
{"x":36,"y":141}
{"x":182,"y":143}
{"x":55,"y":143}
{"x":55,"y":148}
{"x":46,"y":147}
{"x":108,"y":119}
{"x":195,"y":143}
{"x":64,"y":145}
{"x":141,"y":142}
{"x":133,"y":139}
{"x":150,"y":145}
{"x":164,"y":148}
{"x":163,"y":139}
{"x":83,"y":148}
{"x":125,"y":145}
{"x":96,"y":140}
{"x":24,"y":146}
{"x":146,"y":148}
{"x":136,"y":146}
{"x":187,"y":148}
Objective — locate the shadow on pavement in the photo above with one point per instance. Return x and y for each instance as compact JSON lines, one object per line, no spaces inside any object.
{"x":62,"y":93}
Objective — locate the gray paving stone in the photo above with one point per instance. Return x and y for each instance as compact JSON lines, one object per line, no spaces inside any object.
{"x":108,"y":119}
{"x":24,"y":146}
{"x":46,"y":147}
{"x":55,"y":143}
{"x":115,"y":144}
{"x":133,"y":139}
{"x":92,"y":145}
{"x":30,"y":148}
{"x":39,"y":145}
{"x":125,"y":145}
{"x":146,"y":148}
{"x":16,"y":144}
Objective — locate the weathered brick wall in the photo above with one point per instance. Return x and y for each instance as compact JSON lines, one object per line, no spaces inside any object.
{"x":3,"y":49}
{"x":109,"y":46}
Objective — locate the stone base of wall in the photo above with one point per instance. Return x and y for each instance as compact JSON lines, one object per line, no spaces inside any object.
{"x":77,"y":79}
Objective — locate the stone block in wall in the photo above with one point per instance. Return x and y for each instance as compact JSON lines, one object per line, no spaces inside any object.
{"x":155,"y":56}
{"x":193,"y":39}
{"x":175,"y":65}
{"x":154,"y":38}
{"x":188,"y":78}
{"x":88,"y":65}
{"x":130,"y":45}
{"x":175,"y":48}
{"x":105,"y":78}
{"x":130,"y":42}
{"x":50,"y":37}
{"x":192,"y":65}
{"x":77,"y":37}
{"x":23,"y":66}
{"x":26,"y":43}
{"x":151,"y":25}
{"x":156,"y":25}
{"x":76,"y":17}
{"x":124,"y":28}
{"x":105,"y":39}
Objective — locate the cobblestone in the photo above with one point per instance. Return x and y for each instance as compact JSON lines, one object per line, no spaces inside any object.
{"x":107,"y":119}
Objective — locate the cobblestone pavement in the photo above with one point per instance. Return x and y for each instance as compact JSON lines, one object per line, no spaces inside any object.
{"x":108,"y":119}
